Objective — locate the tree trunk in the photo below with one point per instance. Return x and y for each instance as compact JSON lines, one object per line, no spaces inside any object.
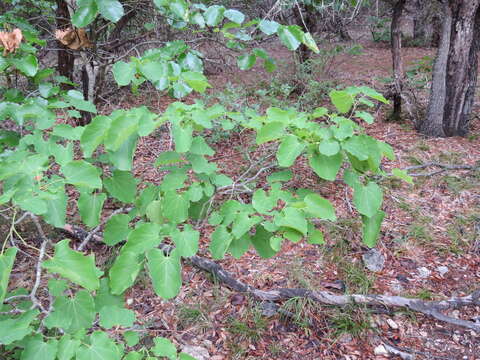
{"x":396,"y":40}
{"x":455,"y":71}
{"x":65,"y":58}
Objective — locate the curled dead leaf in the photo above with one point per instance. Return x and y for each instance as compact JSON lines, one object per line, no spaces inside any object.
{"x":72,"y":38}
{"x":10,"y":40}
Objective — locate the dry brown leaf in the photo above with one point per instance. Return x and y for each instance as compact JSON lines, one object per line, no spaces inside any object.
{"x":74,"y":39}
{"x":10,"y":40}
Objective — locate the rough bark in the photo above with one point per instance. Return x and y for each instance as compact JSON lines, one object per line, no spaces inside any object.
{"x":396,"y":40}
{"x":66,"y":59}
{"x":462,"y":67}
{"x":433,"y":122}
{"x":455,"y":71}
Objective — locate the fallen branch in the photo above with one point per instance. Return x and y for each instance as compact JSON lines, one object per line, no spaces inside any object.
{"x":429,"y":308}
{"x":443,"y":168}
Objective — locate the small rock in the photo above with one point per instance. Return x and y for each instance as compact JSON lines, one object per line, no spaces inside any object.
{"x":197,"y":352}
{"x":455,"y":314}
{"x":374,"y":260}
{"x":345,"y":339}
{"x":392,"y":324}
{"x":380,"y":350}
{"x":423,"y":272}
{"x":442,"y":270}
{"x":397,"y":288}
{"x":269,"y":309}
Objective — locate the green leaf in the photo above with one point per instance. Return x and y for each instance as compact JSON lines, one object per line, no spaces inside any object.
{"x":243,"y":223}
{"x":361,"y":146}
{"x":179,"y":8}
{"x":124,"y":271}
{"x":56,"y":210}
{"x":75,"y":98}
{"x":269,"y":27}
{"x":85,"y":14}
{"x":182,"y":135}
{"x":365,"y":116}
{"x":220,"y":242}
{"x":368,"y":199}
{"x":263,"y":203}
{"x":101,"y":348}
{"x":196,"y":80}
{"x":135,"y":355}
{"x":90,"y":207}
{"x":123,"y":72}
{"x":289,"y":150}
{"x":240,"y":246}
{"x":181,"y":89}
{"x":320,"y":207}
{"x":37,"y":349}
{"x":168,"y":158}
{"x":309,"y":42}
{"x":94,"y":134}
{"x":329,"y":147}
{"x":261,"y":242}
{"x":56,"y":287}
{"x":185,"y":356}
{"x":131,"y":338}
{"x":402,"y":174}
{"x":200,"y":147}
{"x":186,"y":241}
{"x":72,"y":314}
{"x":28,"y":65}
{"x":116,"y":229}
{"x":111,"y":316}
{"x":74,"y":266}
{"x":164,"y":347}
{"x":246,"y":61}
{"x":315,"y":237}
{"x":214,"y":15}
{"x":82,"y":174}
{"x":165,"y":272}
{"x":143,"y":238}
{"x":123,"y":126}
{"x":371,"y":228}
{"x":291,"y":36}
{"x":292,"y":218}
{"x":326,"y":167}
{"x":6,"y":265}
{"x":16,"y":329}
{"x":67,"y":347}
{"x":122,"y":158}
{"x":110,"y":9}
{"x":175,"y":207}
{"x":342,"y":100}
{"x":270,"y":131}
{"x":156,"y":72}
{"x":386,"y":150}
{"x":235,"y":16}
{"x":122,"y":186}
{"x":104,"y":298}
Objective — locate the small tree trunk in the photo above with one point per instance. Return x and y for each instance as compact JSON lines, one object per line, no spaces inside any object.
{"x":65,"y":59}
{"x":455,"y":71}
{"x":433,"y":123}
{"x":396,"y":40}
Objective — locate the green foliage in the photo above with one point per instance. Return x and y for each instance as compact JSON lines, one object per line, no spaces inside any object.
{"x":45,"y":164}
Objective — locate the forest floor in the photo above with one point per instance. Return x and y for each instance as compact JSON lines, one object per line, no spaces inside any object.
{"x":430,"y":237}
{"x":430,"y":240}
